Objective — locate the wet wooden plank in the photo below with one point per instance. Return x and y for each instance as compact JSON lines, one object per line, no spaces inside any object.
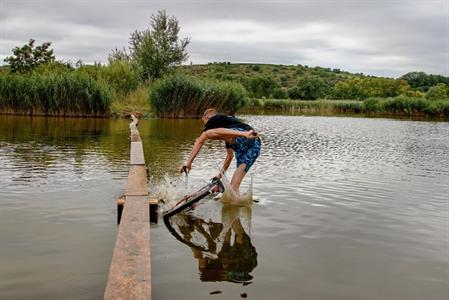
{"x":130,"y":270}
{"x":153,"y":205}
{"x":134,"y":136}
{"x":136,"y":154}
{"x":137,"y":181}
{"x":129,"y":275}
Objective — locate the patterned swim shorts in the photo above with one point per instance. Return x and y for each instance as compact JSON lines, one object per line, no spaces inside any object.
{"x":246,"y":150}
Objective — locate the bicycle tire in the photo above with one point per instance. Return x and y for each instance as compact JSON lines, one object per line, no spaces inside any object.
{"x":193,"y":198}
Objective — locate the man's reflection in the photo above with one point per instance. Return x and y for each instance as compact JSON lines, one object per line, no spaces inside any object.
{"x":223,"y":250}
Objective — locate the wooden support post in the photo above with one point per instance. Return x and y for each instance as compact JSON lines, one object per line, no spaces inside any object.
{"x":153,"y":206}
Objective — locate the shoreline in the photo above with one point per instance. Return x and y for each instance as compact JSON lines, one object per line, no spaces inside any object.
{"x":254,"y":112}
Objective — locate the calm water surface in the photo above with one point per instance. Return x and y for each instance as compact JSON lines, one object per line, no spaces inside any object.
{"x":348,"y":208}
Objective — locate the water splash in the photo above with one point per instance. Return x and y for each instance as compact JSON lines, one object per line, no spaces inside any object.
{"x":169,"y":190}
{"x":172,"y":189}
{"x":231,"y":197}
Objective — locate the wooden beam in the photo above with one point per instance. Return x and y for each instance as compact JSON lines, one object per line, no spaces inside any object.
{"x":136,"y":153}
{"x":137,"y":181}
{"x":129,"y":275}
{"x":130,"y":271}
{"x":153,"y":206}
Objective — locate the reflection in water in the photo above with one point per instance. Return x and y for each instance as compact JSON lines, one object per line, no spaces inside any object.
{"x":224,"y":250}
{"x":348,"y":209}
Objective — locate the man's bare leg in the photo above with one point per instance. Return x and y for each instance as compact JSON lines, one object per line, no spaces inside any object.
{"x":237,"y":178}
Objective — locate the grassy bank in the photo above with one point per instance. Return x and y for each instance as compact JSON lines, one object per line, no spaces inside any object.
{"x":136,"y":100}
{"x":66,"y":94}
{"x":401,"y":106}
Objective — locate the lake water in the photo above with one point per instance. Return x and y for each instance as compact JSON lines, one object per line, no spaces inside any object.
{"x":347,"y":208}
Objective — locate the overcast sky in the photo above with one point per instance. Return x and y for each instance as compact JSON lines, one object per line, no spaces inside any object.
{"x":385,"y":38}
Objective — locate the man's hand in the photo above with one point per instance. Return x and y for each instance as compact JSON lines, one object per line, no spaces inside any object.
{"x":185,"y":168}
{"x":217,"y":176}
{"x":251,"y":134}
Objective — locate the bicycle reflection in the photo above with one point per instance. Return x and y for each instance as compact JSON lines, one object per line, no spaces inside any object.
{"x":224,"y":250}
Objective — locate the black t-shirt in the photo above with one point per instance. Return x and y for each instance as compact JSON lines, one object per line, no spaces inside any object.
{"x":224,"y":121}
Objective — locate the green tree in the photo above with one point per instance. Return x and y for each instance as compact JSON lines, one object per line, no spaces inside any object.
{"x":260,"y":86}
{"x":361,"y":88}
{"x":422,"y":81}
{"x":438,"y":92}
{"x":118,"y":55}
{"x":158,"y":48}
{"x":28,"y":57}
{"x":309,"y":88}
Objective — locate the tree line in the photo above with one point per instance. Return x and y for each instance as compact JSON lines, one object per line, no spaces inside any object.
{"x":153,"y":60}
{"x":311,"y":83}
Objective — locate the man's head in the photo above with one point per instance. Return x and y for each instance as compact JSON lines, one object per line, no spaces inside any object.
{"x":208,"y":113}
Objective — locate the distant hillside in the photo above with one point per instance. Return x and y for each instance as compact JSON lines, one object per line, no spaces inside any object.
{"x":284,"y":75}
{"x":309,"y":83}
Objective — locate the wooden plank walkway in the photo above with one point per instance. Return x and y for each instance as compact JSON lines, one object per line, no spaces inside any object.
{"x":130,"y":271}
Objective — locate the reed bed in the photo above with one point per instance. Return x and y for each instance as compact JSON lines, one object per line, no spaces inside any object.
{"x":182,"y":96}
{"x":67,"y":94}
{"x":401,"y":105}
{"x":407,"y":106}
{"x":304,"y":105}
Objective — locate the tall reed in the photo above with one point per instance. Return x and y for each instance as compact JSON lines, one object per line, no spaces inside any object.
{"x":314,"y":106}
{"x":401,"y":105}
{"x":66,"y":94}
{"x":181,"y":96}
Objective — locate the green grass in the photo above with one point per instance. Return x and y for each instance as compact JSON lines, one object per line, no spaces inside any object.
{"x":135,"y":101}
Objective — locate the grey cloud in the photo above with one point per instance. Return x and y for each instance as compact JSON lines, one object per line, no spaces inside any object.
{"x":399,"y":36}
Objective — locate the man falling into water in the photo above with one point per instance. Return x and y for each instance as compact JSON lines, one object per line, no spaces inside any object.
{"x":239,"y":137}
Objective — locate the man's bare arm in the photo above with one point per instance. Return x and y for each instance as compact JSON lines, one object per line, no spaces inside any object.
{"x":226,"y":134}
{"x":196,"y":148}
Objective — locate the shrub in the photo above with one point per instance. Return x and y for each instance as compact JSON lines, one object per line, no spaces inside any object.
{"x":256,"y":68}
{"x":280,"y":93}
{"x":52,"y":68}
{"x":437,"y":92}
{"x":182,"y":96}
{"x":121,"y":76}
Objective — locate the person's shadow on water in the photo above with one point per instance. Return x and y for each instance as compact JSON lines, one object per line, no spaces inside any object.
{"x":224,"y":250}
